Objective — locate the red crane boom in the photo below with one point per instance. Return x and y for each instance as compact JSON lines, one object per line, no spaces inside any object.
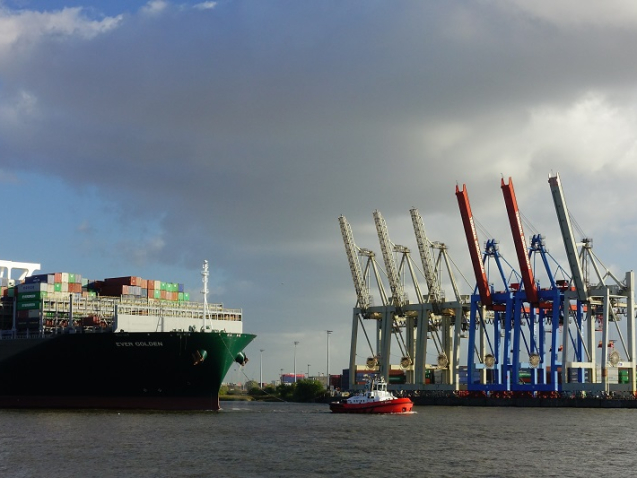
{"x":520,"y":243}
{"x":474,"y":246}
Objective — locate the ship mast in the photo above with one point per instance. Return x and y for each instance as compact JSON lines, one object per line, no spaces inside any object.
{"x":204,"y":291}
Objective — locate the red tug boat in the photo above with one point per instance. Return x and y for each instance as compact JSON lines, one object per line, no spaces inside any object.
{"x":376,"y":399}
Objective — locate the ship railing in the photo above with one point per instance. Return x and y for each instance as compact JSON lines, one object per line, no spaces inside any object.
{"x":55,"y":310}
{"x":23,"y":335}
{"x":7,"y":334}
{"x":51,"y":332}
{"x":191,"y":310}
{"x":104,"y":307}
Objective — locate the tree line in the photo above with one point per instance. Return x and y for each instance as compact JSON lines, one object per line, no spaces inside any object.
{"x":305,"y":390}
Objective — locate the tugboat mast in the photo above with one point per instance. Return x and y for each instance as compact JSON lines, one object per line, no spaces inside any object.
{"x":204,"y":291}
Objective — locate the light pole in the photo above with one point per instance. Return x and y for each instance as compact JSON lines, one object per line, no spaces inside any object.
{"x":329,"y":332}
{"x":308,"y":371}
{"x":261,"y":370}
{"x":295,"y":344}
{"x":281,"y":377}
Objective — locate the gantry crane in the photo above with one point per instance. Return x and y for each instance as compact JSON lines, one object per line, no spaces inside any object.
{"x":502,"y":321}
{"x":395,"y":316}
{"x":410,"y":323}
{"x":590,"y":304}
{"x":491,"y":312}
{"x":364,"y":306}
{"x":534,"y":309}
{"x":436,"y":312}
{"x":550,"y":316}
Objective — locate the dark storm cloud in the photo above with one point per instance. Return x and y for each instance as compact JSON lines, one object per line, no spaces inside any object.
{"x":249,"y":127}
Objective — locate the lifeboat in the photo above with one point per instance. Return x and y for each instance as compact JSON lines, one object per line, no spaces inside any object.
{"x":375,"y":399}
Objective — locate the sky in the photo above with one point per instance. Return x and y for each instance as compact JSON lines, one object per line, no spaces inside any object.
{"x":140,"y":138}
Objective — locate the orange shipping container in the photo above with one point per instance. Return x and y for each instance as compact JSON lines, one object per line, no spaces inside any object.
{"x":75,"y":288}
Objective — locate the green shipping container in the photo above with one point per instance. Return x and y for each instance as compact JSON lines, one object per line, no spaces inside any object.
{"x":31,"y":304}
{"x":31,"y":296}
{"x":57,"y":287}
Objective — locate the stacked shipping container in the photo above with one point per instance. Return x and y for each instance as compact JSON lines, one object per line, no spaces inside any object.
{"x":41,"y":286}
{"x":138,"y":287}
{"x":31,"y":294}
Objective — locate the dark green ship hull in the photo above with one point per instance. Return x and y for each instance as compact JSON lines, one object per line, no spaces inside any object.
{"x":155,"y":370}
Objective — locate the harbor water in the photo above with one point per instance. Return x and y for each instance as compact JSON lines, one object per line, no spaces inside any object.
{"x":248,"y":439}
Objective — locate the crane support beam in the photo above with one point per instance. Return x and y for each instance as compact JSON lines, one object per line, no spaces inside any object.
{"x":568,"y":238}
{"x":474,"y":246}
{"x":517,"y":231}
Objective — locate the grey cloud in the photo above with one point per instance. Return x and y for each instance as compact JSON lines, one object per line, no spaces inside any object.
{"x":247,"y":129}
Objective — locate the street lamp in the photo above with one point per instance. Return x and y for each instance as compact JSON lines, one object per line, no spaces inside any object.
{"x":329,"y":332}
{"x":295,"y":344}
{"x":308,"y":371}
{"x":261,"y":370}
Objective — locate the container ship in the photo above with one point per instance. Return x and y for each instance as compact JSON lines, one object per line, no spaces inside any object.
{"x":118,"y":343}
